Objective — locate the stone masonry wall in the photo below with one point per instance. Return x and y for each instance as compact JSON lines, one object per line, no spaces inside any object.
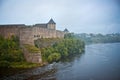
{"x":28,"y":34}
{"x":32,"y":57}
{"x":59,"y":34}
{"x":9,"y":31}
{"x":43,"y":33}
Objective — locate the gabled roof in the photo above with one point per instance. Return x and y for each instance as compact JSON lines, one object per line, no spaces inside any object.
{"x":51,"y":21}
{"x":41,"y":25}
{"x":66,"y":30}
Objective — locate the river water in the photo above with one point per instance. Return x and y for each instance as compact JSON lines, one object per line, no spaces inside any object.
{"x":99,"y":62}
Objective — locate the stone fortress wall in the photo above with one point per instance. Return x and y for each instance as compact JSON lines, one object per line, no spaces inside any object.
{"x":27,"y":34}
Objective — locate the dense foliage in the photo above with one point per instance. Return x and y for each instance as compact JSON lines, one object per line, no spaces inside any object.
{"x":60,"y":48}
{"x":99,"y":38}
{"x":31,"y":48}
{"x":10,"y":51}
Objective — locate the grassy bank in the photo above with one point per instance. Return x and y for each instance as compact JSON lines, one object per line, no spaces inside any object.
{"x":24,"y":65}
{"x":17,"y":67}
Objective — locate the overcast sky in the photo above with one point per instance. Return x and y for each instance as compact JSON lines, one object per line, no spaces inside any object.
{"x":78,"y":16}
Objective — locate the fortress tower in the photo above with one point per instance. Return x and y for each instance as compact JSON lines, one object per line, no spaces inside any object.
{"x":51,"y":24}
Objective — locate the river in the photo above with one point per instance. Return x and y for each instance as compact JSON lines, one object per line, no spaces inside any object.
{"x":99,"y":62}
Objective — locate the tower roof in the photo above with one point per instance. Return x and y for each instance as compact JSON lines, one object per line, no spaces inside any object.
{"x":51,"y":21}
{"x":66,"y":30}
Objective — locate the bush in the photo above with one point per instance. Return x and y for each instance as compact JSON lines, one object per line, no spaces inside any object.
{"x":10,"y":50}
{"x":23,"y":65}
{"x":62,"y":49}
{"x":4,"y":64}
{"x":32,"y":49}
{"x":54,"y":57}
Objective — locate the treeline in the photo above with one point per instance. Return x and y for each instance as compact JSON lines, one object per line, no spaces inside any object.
{"x":99,"y":38}
{"x":10,"y":51}
{"x":60,"y":48}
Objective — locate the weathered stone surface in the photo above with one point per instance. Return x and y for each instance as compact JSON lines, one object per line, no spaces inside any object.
{"x":32,"y":57}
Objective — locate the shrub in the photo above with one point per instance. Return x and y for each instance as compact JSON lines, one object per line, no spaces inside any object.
{"x":54,"y":57}
{"x":4,"y":64}
{"x":32,"y":49}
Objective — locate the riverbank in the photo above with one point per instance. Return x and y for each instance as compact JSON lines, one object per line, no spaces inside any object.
{"x":18,"y":67}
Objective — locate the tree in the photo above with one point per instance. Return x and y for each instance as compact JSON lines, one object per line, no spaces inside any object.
{"x":54,"y":57}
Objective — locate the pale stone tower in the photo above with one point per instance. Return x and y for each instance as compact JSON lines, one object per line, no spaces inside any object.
{"x":51,"y":24}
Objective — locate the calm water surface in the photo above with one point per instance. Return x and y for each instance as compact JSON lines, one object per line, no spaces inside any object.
{"x":99,"y":62}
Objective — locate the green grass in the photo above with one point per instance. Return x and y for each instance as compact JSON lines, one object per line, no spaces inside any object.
{"x":32,"y":49}
{"x":24,"y":65}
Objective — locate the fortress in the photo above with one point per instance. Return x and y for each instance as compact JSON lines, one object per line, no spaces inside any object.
{"x":27,"y":34}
